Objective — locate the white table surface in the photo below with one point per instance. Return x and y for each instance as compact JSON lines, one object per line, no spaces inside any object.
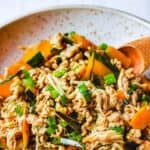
{"x":10,"y":9}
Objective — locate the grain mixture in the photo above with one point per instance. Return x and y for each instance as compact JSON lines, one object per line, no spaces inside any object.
{"x":68,"y":94}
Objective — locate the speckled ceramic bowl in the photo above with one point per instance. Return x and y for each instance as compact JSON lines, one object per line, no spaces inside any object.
{"x":97,"y":23}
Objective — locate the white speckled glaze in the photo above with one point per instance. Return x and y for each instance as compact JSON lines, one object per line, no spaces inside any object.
{"x":98,"y":24}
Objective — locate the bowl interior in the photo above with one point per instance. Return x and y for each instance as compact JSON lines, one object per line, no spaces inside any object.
{"x":98,"y":24}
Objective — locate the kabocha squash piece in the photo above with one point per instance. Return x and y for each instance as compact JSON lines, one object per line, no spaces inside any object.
{"x":100,"y":69}
{"x":33,"y":57}
{"x":29,"y":53}
{"x":138,"y":51}
{"x":89,"y":67}
{"x":83,"y":41}
{"x":25,"y":133}
{"x":114,"y":53}
{"x":36,"y":60}
{"x":5,"y":88}
{"x":141,"y":119}
{"x":45,"y":48}
{"x":15,"y":67}
{"x":107,"y":62}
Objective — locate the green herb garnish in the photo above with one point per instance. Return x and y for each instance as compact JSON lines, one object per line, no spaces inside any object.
{"x":51,"y":125}
{"x":84,"y":91}
{"x":60,"y":73}
{"x":117,"y":129}
{"x":75,"y":67}
{"x":27,"y":80}
{"x":63,"y":123}
{"x":53,"y":91}
{"x":110,"y":79}
{"x":74,"y":136}
{"x":64,"y":100}
{"x":19,"y":110}
{"x":103,"y":46}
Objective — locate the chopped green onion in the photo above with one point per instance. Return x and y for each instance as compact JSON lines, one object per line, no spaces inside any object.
{"x":72,"y":33}
{"x":63,"y":99}
{"x":75,"y":67}
{"x":59,"y":73}
{"x":74,"y":136}
{"x":51,"y":125}
{"x":145,"y":97}
{"x":53,"y":91}
{"x":110,"y":79}
{"x":63,"y":123}
{"x":26,"y":73}
{"x":19,"y":110}
{"x":117,"y":129}
{"x":55,"y":140}
{"x":133,"y":88}
{"x":28,"y":81}
{"x":103,"y":46}
{"x":84,"y":91}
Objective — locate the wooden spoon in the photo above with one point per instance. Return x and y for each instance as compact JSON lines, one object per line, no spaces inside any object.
{"x":139,"y":52}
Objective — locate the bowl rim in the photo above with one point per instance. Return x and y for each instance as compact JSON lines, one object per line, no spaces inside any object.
{"x":74,"y":6}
